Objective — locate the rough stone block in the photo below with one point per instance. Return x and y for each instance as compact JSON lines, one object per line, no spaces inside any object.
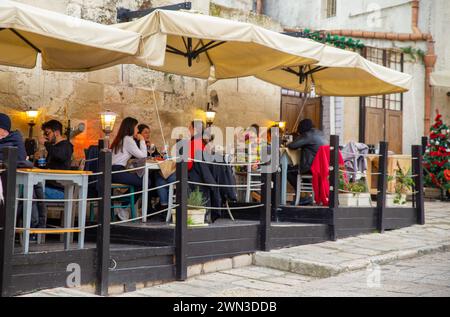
{"x":5,"y":82}
{"x":116,"y":289}
{"x":242,"y":260}
{"x":194,"y":270}
{"x":218,"y":265}
{"x":89,"y":91}
{"x":111,"y":75}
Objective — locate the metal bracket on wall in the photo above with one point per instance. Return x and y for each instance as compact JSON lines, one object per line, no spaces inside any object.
{"x":126,"y":15}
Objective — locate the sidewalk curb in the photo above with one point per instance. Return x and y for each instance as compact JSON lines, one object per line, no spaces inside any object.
{"x":324,"y":270}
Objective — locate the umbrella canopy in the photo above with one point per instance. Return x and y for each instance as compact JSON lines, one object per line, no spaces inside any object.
{"x":339,"y":73}
{"x":440,"y":79}
{"x":190,"y":44}
{"x":65,"y":43}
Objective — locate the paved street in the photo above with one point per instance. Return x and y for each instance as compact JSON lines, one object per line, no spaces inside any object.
{"x":428,"y":275}
{"x":413,"y":261}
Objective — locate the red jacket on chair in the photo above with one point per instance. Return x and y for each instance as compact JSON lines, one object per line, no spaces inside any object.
{"x":320,"y":172}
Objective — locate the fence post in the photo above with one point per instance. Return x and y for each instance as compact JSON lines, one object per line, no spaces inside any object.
{"x":181,"y":229}
{"x":265,"y":214}
{"x":7,"y":211}
{"x":334,"y":183}
{"x":424,"y":144}
{"x":418,"y":182}
{"x":104,"y":220}
{"x":275,"y":196}
{"x":382,"y":184}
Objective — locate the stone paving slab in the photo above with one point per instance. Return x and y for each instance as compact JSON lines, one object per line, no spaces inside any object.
{"x":355,"y":253}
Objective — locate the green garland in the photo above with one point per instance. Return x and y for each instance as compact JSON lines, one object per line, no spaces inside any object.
{"x":335,"y":40}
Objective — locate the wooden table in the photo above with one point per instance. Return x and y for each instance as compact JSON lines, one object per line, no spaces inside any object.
{"x":404,"y":161}
{"x":152,"y":165}
{"x":28,"y":177}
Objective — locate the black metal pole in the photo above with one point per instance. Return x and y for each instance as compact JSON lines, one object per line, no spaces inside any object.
{"x":181,"y":215}
{"x":104,"y":219}
{"x":7,"y":211}
{"x":264,"y":217}
{"x":418,"y":183}
{"x":382,"y":184}
{"x":424,"y":144}
{"x":276,"y":191}
{"x":334,"y":183}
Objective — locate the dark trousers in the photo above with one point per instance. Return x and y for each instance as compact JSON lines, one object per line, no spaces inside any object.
{"x":128,"y":178}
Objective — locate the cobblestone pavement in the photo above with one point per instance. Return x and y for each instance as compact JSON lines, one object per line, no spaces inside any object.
{"x":356,"y":253}
{"x":428,"y":275}
{"x":413,"y":261}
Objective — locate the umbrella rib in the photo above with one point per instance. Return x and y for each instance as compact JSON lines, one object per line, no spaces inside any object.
{"x":26,"y":41}
{"x":174,"y":50}
{"x":208,"y":47}
{"x":207,"y":55}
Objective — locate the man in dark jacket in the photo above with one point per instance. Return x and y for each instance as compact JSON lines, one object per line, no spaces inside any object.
{"x":59,"y":155}
{"x":15,"y":139}
{"x":11,"y":138}
{"x":308,"y":141}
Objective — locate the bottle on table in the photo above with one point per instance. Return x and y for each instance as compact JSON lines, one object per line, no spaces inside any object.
{"x":42,"y":161}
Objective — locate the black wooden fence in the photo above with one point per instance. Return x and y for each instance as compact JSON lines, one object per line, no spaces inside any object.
{"x":270,"y":194}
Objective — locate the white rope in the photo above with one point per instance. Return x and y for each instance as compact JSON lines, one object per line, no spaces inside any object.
{"x":154,"y":97}
{"x":91,"y":160}
{"x":230,"y":186}
{"x":59,"y":200}
{"x":228,"y":208}
{"x":128,"y":170}
{"x":359,"y":154}
{"x":224,"y":164}
{"x":2,"y":170}
{"x":142,"y":191}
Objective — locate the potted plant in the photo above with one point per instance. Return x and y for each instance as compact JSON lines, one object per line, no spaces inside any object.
{"x":403,"y":186}
{"x":196,"y":215}
{"x":355,"y":194}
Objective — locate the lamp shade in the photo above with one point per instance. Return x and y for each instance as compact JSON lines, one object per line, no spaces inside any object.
{"x":108,"y":119}
{"x":31,"y":115}
{"x":281,"y":125}
{"x":210,"y":116}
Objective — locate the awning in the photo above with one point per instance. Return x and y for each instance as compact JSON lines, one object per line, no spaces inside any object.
{"x":340,"y":73}
{"x":189,"y":44}
{"x":65,"y":43}
{"x":440,"y":79}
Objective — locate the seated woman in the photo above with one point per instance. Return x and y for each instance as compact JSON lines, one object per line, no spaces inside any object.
{"x":163,"y":193}
{"x":123,"y":148}
{"x":144,"y":130}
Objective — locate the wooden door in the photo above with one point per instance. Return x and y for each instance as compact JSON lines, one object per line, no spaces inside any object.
{"x":383,"y":124}
{"x":374,"y":126}
{"x":394,"y":129}
{"x":291,"y":107}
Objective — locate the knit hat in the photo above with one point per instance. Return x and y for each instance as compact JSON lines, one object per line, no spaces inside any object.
{"x":5,"y":122}
{"x":305,"y":125}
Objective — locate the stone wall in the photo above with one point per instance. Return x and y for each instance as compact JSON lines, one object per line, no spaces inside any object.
{"x":129,"y":90}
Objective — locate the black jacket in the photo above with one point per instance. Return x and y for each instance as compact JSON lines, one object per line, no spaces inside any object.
{"x":15,"y":139}
{"x":59,"y":155}
{"x":309,"y":144}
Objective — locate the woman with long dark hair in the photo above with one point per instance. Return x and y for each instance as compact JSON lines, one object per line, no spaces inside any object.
{"x":123,"y":148}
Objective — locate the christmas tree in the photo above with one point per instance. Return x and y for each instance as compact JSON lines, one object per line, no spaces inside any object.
{"x":436,"y":160}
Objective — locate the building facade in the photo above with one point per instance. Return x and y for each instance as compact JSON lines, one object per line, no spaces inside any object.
{"x":405,"y":35}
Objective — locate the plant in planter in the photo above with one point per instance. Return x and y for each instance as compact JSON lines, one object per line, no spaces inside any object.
{"x":403,"y":185}
{"x":196,"y":215}
{"x":354,"y":194}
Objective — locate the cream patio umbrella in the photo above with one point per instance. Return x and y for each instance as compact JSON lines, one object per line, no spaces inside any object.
{"x":203,"y":46}
{"x":339,"y":73}
{"x":65,"y":43}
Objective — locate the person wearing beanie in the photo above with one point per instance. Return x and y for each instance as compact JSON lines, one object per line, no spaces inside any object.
{"x":308,"y":142}
{"x":11,"y":138}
